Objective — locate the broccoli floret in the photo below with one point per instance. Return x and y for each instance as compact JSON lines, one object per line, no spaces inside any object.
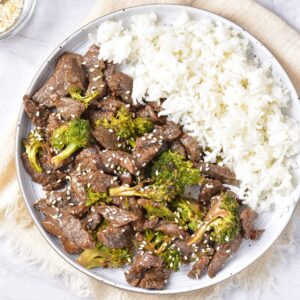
{"x":173,"y":167}
{"x":104,"y":257}
{"x":95,"y":197}
{"x":33,"y":145}
{"x":160,"y":244}
{"x":69,"y":138}
{"x":75,"y":94}
{"x":222,"y":220}
{"x":171,"y":258}
{"x":126,"y":126}
{"x":158,"y":210}
{"x":160,"y":193}
{"x":189,"y":213}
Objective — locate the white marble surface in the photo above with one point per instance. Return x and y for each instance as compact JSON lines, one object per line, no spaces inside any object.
{"x":20,"y":57}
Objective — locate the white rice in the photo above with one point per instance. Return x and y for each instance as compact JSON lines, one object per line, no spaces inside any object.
{"x":223,"y":97}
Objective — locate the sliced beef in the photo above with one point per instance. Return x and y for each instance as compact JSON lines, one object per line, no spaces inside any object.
{"x":114,"y":160}
{"x":116,"y":237}
{"x":151,"y":224}
{"x":95,"y":180}
{"x":192,"y":147}
{"x":92,"y":220}
{"x":110,"y":104}
{"x":248,"y":217}
{"x":177,"y":147}
{"x":119,"y":84}
{"x":147,"y":271}
{"x":209,"y":189}
{"x":223,"y":252}
{"x":184,"y":249}
{"x":38,"y":114}
{"x":69,"y":108}
{"x":214,"y":171}
{"x":126,"y":178}
{"x":170,"y":228}
{"x":170,"y":131}
{"x":147,"y":147}
{"x":88,"y":159}
{"x":69,"y":230}
{"x":49,"y":179}
{"x":199,"y":268}
{"x":54,"y":122}
{"x":68,"y":73}
{"x":116,"y":216}
{"x":148,"y":112}
{"x":95,"y":68}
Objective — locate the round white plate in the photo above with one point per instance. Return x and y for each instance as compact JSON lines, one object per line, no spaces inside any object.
{"x":272,"y":222}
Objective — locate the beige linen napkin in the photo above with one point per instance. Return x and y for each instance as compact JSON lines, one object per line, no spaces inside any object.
{"x":17,"y":226}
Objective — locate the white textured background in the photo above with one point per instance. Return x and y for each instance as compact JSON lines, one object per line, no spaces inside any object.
{"x":20,"y":56}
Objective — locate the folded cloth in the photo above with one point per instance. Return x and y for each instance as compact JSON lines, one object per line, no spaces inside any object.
{"x":17,"y":226}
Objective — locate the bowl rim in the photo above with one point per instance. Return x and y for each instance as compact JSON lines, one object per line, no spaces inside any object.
{"x":18,"y":161}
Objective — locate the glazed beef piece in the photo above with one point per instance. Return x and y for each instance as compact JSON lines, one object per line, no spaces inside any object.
{"x":68,"y":73}
{"x":92,"y":220}
{"x":177,"y":147}
{"x":192,"y":147}
{"x":54,"y":121}
{"x":199,"y":268}
{"x":214,"y":171}
{"x":110,"y":104}
{"x":95,"y":68}
{"x":151,"y":224}
{"x":97,"y":181}
{"x":222,"y":253}
{"x":69,"y":108}
{"x":147,"y":271}
{"x":248,"y":217}
{"x":170,"y":131}
{"x":38,"y":114}
{"x":116,"y":237}
{"x":116,"y":216}
{"x":149,"y":112}
{"x":88,"y":159}
{"x":170,"y":228}
{"x":111,"y":160}
{"x":184,"y":249}
{"x":147,"y":147}
{"x":119,"y":84}
{"x":49,"y":179}
{"x":209,"y":189}
{"x":69,"y":230}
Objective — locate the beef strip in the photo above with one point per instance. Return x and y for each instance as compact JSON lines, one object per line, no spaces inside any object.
{"x":151,"y":224}
{"x":170,"y":228}
{"x":214,"y":171}
{"x":69,"y":108}
{"x":49,"y":179}
{"x":147,"y":271}
{"x":119,"y":84}
{"x":38,"y":114}
{"x":88,"y":159}
{"x":95,"y":180}
{"x":68,"y":73}
{"x":116,"y":216}
{"x":199,"y":268}
{"x":112,"y":160}
{"x":110,"y":104}
{"x":223,"y":252}
{"x":54,"y":121}
{"x":177,"y":147}
{"x":247,"y":217}
{"x":92,"y":220}
{"x":95,"y":68}
{"x":170,"y":131}
{"x":116,"y":237}
{"x":192,"y":147}
{"x":148,"y":112}
{"x":210,"y":188}
{"x":147,"y":147}
{"x":184,"y":249}
{"x":69,"y":230}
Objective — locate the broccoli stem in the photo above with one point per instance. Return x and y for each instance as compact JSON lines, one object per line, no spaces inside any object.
{"x":124,"y":190}
{"x":32,"y":156}
{"x":67,"y":152}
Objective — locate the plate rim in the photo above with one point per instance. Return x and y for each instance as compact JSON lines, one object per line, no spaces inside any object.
{"x":18,"y":162}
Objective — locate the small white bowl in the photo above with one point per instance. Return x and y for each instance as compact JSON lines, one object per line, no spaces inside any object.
{"x":21,"y":21}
